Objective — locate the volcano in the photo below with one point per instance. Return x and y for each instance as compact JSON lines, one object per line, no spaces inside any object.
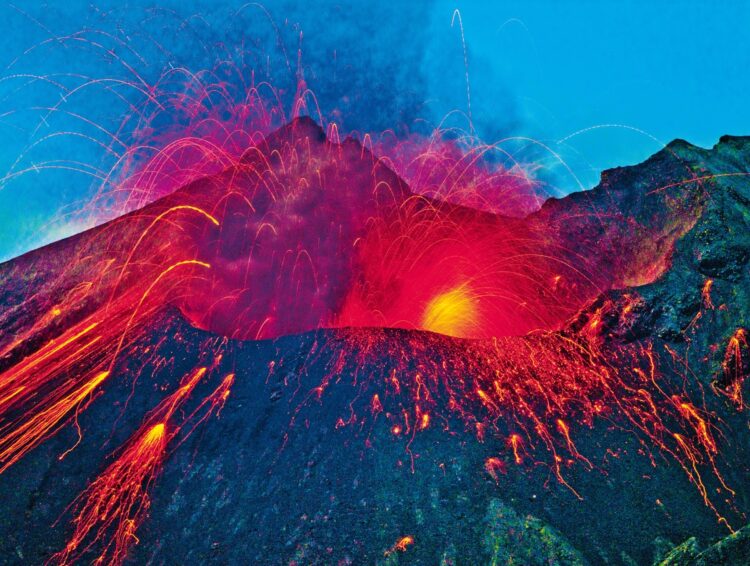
{"x":301,"y":360}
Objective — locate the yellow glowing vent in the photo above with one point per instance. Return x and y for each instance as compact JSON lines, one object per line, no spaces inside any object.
{"x":453,"y":313}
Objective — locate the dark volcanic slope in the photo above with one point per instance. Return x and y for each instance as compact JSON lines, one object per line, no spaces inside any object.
{"x":703,"y":297}
{"x":273,"y":480}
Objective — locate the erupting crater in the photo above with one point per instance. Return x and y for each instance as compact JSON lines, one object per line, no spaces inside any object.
{"x":312,"y":234}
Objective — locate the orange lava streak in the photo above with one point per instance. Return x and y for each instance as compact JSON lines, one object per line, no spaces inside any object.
{"x":40,"y":425}
{"x":701,"y":427}
{"x":30,"y":384}
{"x":215,"y":401}
{"x":10,"y":396}
{"x":118,"y":499}
{"x":376,"y":405}
{"x":706,"y":294}
{"x":11,"y":376}
{"x":735,"y":366}
{"x":563,"y":428}
{"x":515,"y":441}
{"x":178,"y":397}
{"x":400,"y":546}
{"x":424,"y":421}
{"x":494,"y":465}
{"x":693,"y":457}
{"x":222,"y":393}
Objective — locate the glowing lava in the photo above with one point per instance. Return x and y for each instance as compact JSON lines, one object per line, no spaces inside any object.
{"x":118,"y":500}
{"x":114,"y":505}
{"x":453,"y":313}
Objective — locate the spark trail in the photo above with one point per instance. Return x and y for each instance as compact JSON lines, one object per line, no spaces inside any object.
{"x":22,"y":436}
{"x":110,"y":510}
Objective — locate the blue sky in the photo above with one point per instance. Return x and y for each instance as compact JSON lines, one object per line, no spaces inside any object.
{"x":629,"y":75}
{"x":669,"y":69}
